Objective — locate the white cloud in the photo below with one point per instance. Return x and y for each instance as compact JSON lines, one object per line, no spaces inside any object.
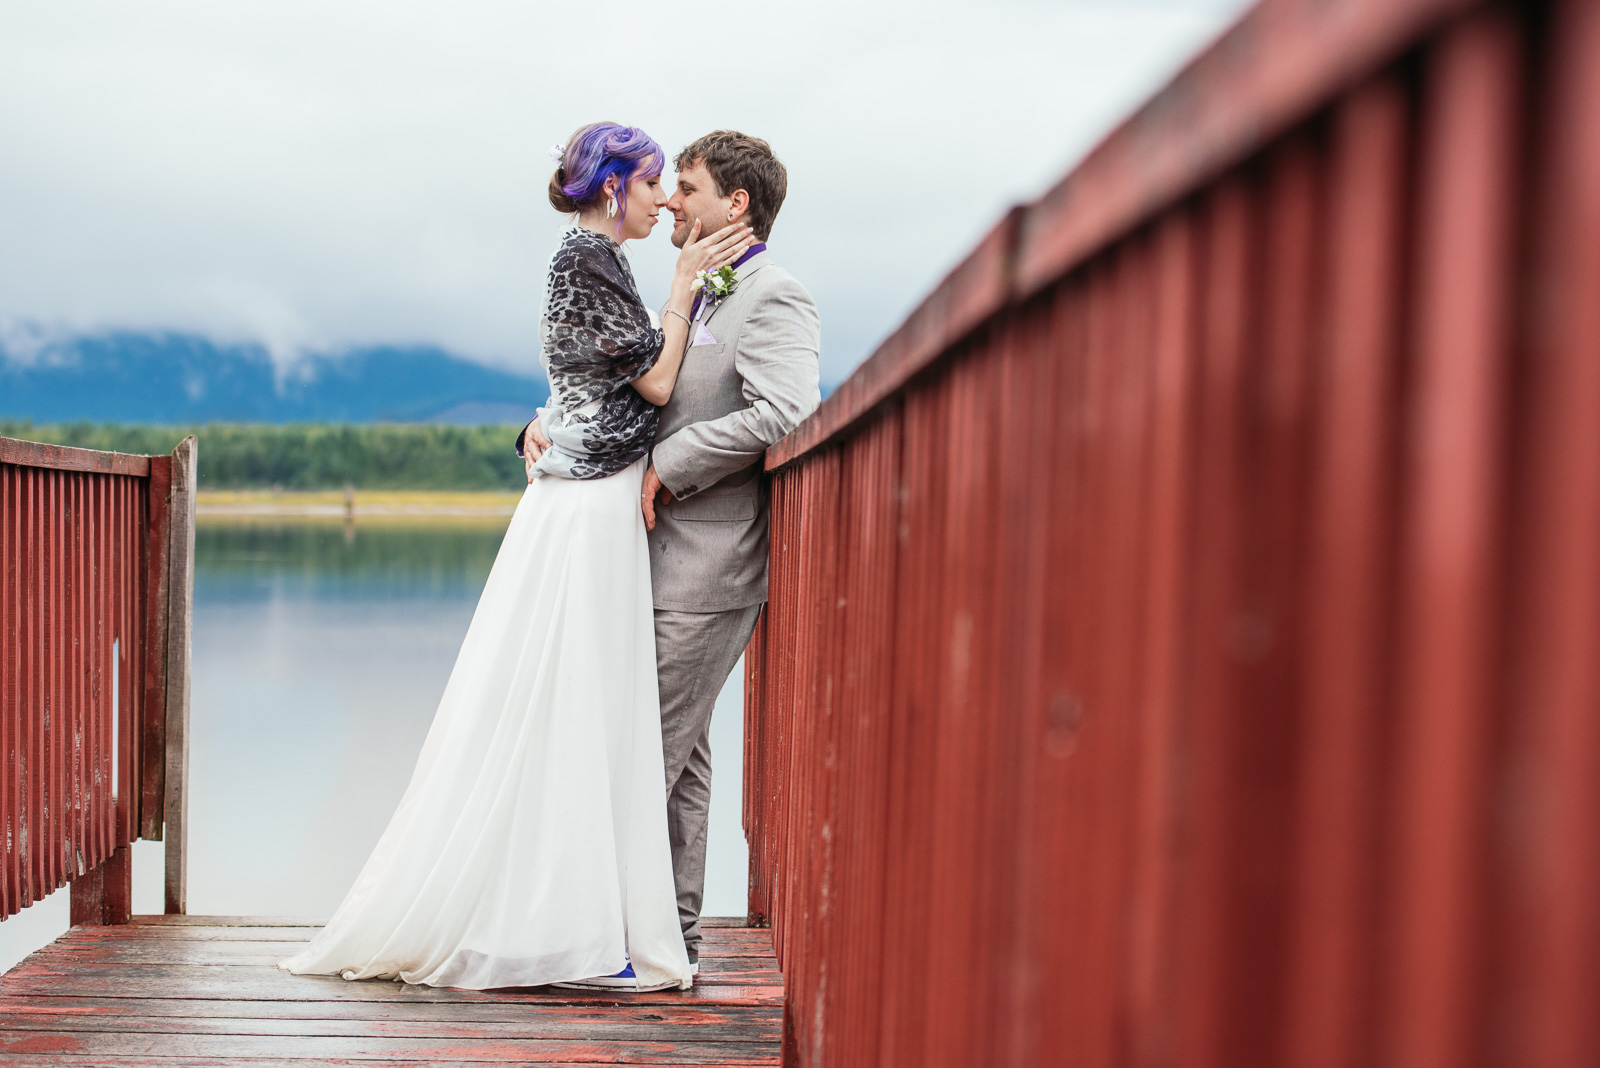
{"x":310,"y":173}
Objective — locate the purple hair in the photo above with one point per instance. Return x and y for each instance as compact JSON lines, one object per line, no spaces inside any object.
{"x":597,"y":152}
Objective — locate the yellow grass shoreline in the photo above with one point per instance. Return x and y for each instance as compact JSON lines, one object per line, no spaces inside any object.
{"x":388,"y":506}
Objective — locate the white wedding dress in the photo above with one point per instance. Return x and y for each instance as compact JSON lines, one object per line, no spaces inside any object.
{"x":531,"y":844}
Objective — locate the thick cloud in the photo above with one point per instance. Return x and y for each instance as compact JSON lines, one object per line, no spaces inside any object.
{"x":314,"y":174}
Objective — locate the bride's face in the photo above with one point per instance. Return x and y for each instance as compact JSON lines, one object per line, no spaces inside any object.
{"x":646,"y":198}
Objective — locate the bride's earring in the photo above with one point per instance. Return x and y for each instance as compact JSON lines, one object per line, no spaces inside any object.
{"x":611,"y":207}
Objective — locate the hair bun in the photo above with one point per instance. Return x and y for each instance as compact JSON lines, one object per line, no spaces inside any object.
{"x":558,"y":197}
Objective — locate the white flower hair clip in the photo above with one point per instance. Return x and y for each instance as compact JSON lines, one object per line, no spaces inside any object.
{"x":558,"y":152}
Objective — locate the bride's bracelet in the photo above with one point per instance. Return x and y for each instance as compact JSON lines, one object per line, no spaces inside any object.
{"x":679,"y":314}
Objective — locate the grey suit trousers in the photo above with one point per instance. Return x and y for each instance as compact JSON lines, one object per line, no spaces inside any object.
{"x":695,"y":652}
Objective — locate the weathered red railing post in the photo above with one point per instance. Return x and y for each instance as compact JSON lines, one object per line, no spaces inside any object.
{"x":104,"y":893}
{"x":95,"y":588}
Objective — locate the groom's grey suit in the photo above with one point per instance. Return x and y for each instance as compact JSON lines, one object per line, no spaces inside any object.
{"x":750,"y":375}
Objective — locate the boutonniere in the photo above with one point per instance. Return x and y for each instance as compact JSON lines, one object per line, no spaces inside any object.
{"x":714,"y":285}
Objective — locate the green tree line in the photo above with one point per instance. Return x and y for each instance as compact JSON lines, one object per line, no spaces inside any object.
{"x":420,"y":456}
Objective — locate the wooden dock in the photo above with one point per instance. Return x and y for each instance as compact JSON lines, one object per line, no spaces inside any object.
{"x":173,"y":991}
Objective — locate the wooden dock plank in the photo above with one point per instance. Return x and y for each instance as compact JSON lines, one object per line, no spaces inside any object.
{"x":236,"y":986}
{"x":188,"y":934}
{"x":182,"y":990}
{"x":662,"y":1051}
{"x":54,"y":1060}
{"x":266,"y":981}
{"x":312,"y":923}
{"x":554,"y":1017}
{"x":757,"y":937}
{"x":541,"y":1025}
{"x":304,"y":923}
{"x":746,"y":967}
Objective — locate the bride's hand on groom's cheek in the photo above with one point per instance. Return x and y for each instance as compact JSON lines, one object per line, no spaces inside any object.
{"x":715,"y":249}
{"x":729,"y":243}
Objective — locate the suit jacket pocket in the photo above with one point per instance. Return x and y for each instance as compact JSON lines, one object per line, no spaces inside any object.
{"x":715,"y":508}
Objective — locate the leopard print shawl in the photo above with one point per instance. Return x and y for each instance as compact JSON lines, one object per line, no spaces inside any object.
{"x":597,"y":338}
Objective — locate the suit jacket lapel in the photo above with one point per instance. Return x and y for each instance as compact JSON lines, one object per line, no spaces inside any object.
{"x":744,"y":271}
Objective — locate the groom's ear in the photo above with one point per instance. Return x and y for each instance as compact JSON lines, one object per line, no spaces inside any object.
{"x":739,"y":206}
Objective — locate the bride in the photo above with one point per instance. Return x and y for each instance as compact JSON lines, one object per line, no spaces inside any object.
{"x":531,"y":844}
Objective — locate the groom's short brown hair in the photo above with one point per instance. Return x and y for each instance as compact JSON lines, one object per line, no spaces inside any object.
{"x":739,"y":161}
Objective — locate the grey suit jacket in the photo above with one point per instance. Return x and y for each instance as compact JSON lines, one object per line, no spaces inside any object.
{"x":734,"y":397}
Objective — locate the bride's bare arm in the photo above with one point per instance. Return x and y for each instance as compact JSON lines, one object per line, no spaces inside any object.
{"x":724,"y":246}
{"x":655,"y":385}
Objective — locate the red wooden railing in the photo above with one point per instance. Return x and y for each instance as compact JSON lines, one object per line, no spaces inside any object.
{"x":1184,"y":637}
{"x":96,"y":563}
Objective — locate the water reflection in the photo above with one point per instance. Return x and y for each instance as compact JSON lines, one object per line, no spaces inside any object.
{"x":327,"y":561}
{"x":318,"y":662}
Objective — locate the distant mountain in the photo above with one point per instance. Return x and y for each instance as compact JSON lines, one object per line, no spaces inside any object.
{"x":184,"y":379}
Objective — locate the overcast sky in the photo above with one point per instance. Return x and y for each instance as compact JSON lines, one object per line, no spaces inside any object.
{"x":316,"y":174}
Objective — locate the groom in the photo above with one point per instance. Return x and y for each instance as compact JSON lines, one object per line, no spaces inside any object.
{"x":749,"y":376}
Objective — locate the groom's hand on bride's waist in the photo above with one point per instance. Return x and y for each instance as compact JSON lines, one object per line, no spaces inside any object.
{"x":533,"y":445}
{"x":651,"y":494}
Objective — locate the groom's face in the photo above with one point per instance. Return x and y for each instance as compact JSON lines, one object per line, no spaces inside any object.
{"x":696,"y":198}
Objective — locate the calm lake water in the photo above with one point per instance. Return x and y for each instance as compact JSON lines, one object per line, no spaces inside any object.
{"x":319,"y":657}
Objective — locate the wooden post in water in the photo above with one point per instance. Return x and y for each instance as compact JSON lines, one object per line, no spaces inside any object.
{"x":180,"y":603}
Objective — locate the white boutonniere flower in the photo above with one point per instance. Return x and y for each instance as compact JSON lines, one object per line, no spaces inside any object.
{"x":714,"y":285}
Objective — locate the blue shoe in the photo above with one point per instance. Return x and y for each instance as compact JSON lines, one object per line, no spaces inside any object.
{"x":623,"y":980}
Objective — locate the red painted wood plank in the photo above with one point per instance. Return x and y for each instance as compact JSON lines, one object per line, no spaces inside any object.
{"x":551,"y":1011}
{"x":371,"y":1048}
{"x":697,"y":1044}
{"x":189,"y":920}
{"x":63,"y":458}
{"x":551,"y":1008}
{"x":188,"y":934}
{"x":125,"y":1061}
{"x":234,"y":983}
{"x":52,"y":1060}
{"x":742,"y":970}
{"x":1450,"y":607}
{"x":546,"y":1023}
{"x":1548,"y":844}
{"x":758,"y":945}
{"x":10,"y":678}
{"x":154,"y":550}
{"x":1349,"y":595}
{"x":1154,"y":859}
{"x":185,"y":920}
